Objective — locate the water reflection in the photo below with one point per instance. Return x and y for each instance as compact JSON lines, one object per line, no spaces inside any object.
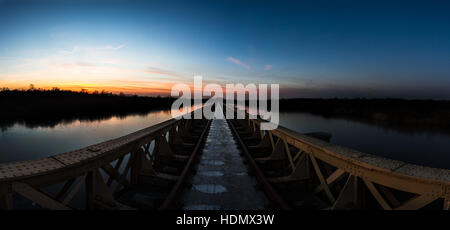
{"x":21,"y":142}
{"x":418,"y":147}
{"x":45,"y":122}
{"x":31,"y":140}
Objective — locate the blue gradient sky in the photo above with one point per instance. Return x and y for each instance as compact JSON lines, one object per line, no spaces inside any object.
{"x":311,"y":48}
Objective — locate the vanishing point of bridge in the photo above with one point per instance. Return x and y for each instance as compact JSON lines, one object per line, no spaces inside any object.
{"x":220,"y":164}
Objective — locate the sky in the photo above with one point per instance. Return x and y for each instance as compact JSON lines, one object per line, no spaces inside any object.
{"x":310,"y":48}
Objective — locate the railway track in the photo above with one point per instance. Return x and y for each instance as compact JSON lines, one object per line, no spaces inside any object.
{"x":164,"y":193}
{"x":160,"y":192}
{"x":283,"y":195}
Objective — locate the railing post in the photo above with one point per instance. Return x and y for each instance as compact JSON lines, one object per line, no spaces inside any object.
{"x":447,"y":203}
{"x":140,"y":167}
{"x":89,"y":185}
{"x":6,"y":201}
{"x":174,"y":137}
{"x":352,"y":195}
{"x":98,"y":194}
{"x":134,"y":170}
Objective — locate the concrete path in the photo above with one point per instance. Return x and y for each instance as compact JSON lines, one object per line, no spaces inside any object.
{"x":221,"y":181}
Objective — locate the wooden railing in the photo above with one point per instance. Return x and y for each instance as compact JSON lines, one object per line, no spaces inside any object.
{"x":104,"y":170}
{"x":349,"y":179}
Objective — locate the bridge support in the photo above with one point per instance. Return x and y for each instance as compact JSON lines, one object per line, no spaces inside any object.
{"x":351,"y":196}
{"x":6,"y":202}
{"x":53,"y":182}
{"x":341,"y":177}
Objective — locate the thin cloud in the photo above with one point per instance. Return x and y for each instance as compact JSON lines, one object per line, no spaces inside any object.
{"x":67,"y":52}
{"x":160,"y":71}
{"x":268,"y":67}
{"x":78,"y":49}
{"x":71,"y":64}
{"x":114,"y":61}
{"x":113,"y":47}
{"x":237,"y":62}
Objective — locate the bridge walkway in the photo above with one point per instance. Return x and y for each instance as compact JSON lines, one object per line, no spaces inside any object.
{"x":222,"y":180}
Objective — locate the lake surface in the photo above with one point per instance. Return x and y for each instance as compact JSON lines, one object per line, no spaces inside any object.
{"x":21,"y":143}
{"x":423,"y":148}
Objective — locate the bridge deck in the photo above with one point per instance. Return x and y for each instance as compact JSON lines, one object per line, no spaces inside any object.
{"x":222,"y":180}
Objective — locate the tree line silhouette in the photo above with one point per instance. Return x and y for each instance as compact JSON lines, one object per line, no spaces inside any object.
{"x":40,"y":107}
{"x":394,"y":113}
{"x":36,"y":107}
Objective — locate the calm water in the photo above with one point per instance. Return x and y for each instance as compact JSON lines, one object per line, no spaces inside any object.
{"x":22,"y":143}
{"x":429,"y":149}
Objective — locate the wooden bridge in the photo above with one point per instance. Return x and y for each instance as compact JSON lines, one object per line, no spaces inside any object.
{"x":220,"y":164}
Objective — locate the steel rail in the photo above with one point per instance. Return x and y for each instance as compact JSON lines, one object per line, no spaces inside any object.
{"x":178,"y":185}
{"x":271,"y":193}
